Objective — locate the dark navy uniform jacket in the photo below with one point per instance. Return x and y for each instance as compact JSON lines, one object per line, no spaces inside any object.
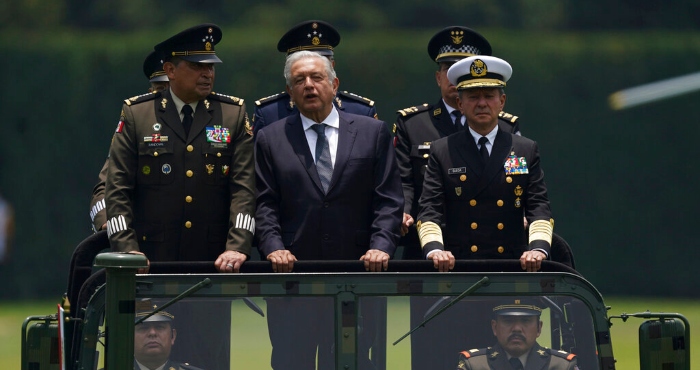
{"x":481,"y":210}
{"x":415,"y":129}
{"x":274,"y":108}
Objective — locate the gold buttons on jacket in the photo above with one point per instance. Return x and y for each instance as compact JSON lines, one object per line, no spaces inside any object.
{"x":218,"y":154}
{"x":474,"y":248}
{"x":188,"y":199}
{"x":500,"y":226}
{"x":501,"y":249}
{"x":509,"y":179}
{"x":190,"y":148}
{"x":426,"y":155}
{"x":472,"y":202}
{"x":474,"y":225}
{"x":188,"y":224}
{"x":189,"y":173}
{"x":155,"y":154}
{"x":463,"y":178}
{"x":499,"y":203}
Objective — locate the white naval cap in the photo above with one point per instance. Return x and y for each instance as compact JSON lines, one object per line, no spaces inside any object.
{"x":479,"y":71}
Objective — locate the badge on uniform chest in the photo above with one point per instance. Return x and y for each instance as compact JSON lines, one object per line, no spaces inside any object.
{"x":218,"y":134}
{"x":515,"y":165}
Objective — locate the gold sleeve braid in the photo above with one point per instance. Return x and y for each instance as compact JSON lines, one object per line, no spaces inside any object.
{"x":429,"y":232}
{"x":541,"y":230}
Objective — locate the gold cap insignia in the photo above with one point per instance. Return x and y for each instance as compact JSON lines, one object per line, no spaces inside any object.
{"x":457,"y":36}
{"x":478,"y":68}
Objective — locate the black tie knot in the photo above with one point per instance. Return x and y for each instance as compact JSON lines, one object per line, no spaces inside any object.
{"x":483,"y":151}
{"x":458,"y":119}
{"x":187,"y":118}
{"x":515,"y":363}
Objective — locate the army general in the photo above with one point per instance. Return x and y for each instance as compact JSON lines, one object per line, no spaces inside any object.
{"x":181,"y":182}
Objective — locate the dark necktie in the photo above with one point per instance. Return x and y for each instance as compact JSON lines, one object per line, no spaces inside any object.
{"x":324,"y":166}
{"x":187,"y":119}
{"x":515,"y":363}
{"x":458,"y":119}
{"x":482,"y":150}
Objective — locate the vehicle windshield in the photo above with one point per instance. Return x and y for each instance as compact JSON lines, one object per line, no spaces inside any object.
{"x":360,"y":320}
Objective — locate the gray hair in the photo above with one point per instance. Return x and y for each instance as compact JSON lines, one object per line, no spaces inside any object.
{"x":295,"y":57}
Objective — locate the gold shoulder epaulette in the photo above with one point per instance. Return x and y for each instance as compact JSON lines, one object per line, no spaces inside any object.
{"x":227,"y":98}
{"x":356,"y":97}
{"x":413,"y":110}
{"x":508,"y":117}
{"x":141,"y":98}
{"x":271,"y":98}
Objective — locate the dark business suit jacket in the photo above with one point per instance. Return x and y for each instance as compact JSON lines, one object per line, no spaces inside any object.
{"x":363,"y":207}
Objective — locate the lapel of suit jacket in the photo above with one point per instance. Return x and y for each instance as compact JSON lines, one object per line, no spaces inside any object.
{"x":346,"y":139}
{"x":168,"y":114}
{"x":463,"y":144}
{"x":202,"y":117}
{"x":297,"y":138}
{"x":443,"y":121}
{"x":494,"y":166}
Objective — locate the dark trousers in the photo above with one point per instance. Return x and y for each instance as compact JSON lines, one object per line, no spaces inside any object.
{"x":302,"y":327}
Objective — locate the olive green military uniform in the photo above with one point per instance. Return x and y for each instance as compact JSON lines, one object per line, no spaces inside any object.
{"x":176,"y":197}
{"x":495,"y":358}
{"x":171,"y":365}
{"x":415,"y":129}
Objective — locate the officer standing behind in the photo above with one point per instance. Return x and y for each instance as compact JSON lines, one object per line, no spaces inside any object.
{"x":153,"y":69}
{"x":417,"y":127}
{"x":481,"y":181}
{"x":181,"y":183}
{"x":516,"y":325}
{"x":322,"y":38}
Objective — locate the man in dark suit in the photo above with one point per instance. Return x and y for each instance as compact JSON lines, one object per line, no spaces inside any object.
{"x":328,"y":189}
{"x":480,"y":182}
{"x":320,"y":37}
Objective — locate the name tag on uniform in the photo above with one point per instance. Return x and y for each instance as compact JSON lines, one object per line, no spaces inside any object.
{"x":452,"y":171}
{"x":421,"y":147}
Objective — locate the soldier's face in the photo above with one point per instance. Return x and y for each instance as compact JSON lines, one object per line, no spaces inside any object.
{"x":516,"y":334}
{"x":447,"y":90}
{"x":190,"y":81}
{"x":311,"y":90}
{"x":153,"y":341}
{"x":481,"y":106}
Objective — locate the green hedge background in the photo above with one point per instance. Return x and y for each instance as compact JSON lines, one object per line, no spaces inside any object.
{"x":622,"y":184}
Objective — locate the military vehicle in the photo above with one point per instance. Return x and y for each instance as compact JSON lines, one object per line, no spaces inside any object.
{"x":96,"y":329}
